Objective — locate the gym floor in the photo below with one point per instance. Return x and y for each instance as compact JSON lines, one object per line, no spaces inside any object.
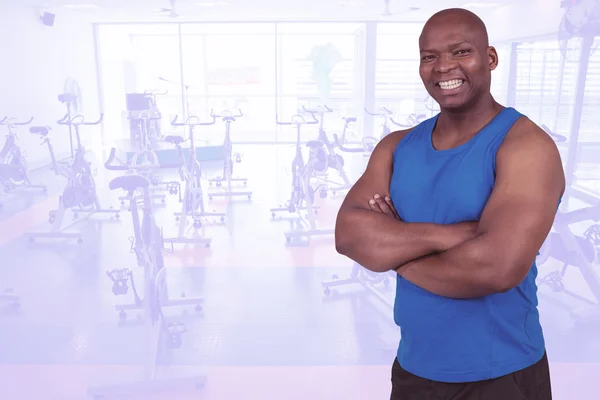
{"x":266,"y":329}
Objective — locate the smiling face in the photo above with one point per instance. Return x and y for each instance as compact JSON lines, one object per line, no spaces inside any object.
{"x":456,"y":60}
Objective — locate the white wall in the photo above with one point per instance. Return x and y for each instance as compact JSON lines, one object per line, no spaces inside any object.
{"x":36,"y":61}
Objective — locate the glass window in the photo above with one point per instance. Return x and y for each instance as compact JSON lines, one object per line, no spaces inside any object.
{"x":135,"y":59}
{"x":115,"y":56}
{"x":264,"y":68}
{"x":589,"y":130}
{"x":500,"y":74}
{"x":586,"y":171}
{"x":157,"y":64}
{"x":398,"y":86}
{"x":317,"y":65}
{"x":231,"y":67}
{"x":545,"y":86}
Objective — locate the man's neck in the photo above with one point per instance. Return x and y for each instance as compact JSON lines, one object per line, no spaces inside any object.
{"x":469,"y":120}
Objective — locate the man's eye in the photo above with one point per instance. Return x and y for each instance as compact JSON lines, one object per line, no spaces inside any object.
{"x":426,"y":58}
{"x":462,"y":52}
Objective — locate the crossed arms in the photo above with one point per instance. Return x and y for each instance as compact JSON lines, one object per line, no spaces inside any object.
{"x":469,"y":259}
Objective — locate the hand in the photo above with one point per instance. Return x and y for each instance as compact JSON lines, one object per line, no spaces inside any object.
{"x":384,"y":205}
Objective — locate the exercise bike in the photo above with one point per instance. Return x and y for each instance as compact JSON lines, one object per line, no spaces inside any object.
{"x":412,"y":120}
{"x":80,"y":194}
{"x":151,"y":116}
{"x":192,"y":197}
{"x":367,"y":279}
{"x":13,"y":165}
{"x":385,"y":114}
{"x":364,"y":277}
{"x":331,"y":159}
{"x":368,"y":145}
{"x":571,"y":249}
{"x":145,"y":155}
{"x":68,"y":100}
{"x":227,"y":177}
{"x":148,"y":247}
{"x":303,"y":195}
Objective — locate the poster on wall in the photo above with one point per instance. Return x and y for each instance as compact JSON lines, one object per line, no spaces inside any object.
{"x":324,"y":58}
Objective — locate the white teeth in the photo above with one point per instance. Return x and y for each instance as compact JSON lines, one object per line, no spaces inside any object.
{"x":453,"y":84}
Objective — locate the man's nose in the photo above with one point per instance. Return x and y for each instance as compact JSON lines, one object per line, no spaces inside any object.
{"x":445,"y":64}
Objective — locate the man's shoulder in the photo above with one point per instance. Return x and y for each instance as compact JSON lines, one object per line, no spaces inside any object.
{"x":528,"y":147}
{"x":528,"y":134}
{"x":527,"y":140}
{"x":390,"y":142}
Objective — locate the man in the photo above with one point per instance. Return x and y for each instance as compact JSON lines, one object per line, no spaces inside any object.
{"x":459,"y":206}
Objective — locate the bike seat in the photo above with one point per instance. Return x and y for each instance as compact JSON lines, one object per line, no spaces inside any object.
{"x":40,"y":130}
{"x":350,"y":119}
{"x":129,"y":182}
{"x":314,"y":144}
{"x":66,"y":97}
{"x":174,"y":139}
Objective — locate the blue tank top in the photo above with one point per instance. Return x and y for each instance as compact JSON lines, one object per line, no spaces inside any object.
{"x":458,"y":340}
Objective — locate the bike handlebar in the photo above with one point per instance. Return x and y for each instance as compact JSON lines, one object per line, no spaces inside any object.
{"x":337,"y":142}
{"x":63,"y":120}
{"x":413,"y":120}
{"x":111,"y":157}
{"x":555,"y":136}
{"x":385,"y":110}
{"x":193,"y":117}
{"x":297,"y":120}
{"x":146,"y":116}
{"x":227,"y":114}
{"x":318,"y":110}
{"x":9,"y":121}
{"x":393,"y":121}
{"x":155,"y":92}
{"x":78,"y":120}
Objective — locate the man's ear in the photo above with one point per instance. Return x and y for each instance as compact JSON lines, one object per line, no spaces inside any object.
{"x":492,"y":58}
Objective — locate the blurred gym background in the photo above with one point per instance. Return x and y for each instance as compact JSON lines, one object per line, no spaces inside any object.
{"x":171,"y":173}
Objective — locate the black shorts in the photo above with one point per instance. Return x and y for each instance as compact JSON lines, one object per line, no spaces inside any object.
{"x":532,"y":383}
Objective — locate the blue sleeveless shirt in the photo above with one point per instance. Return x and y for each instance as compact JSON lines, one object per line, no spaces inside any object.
{"x":459,"y":340}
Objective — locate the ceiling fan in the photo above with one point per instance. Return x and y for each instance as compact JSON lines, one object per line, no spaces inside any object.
{"x":387,"y":10}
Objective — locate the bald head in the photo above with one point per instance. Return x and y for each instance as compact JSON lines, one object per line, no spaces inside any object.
{"x":454,"y":47}
{"x":458,"y":18}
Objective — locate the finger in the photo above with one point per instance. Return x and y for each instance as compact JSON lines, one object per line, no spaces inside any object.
{"x":388,"y":200}
{"x":385,"y":208}
{"x":373,"y":206}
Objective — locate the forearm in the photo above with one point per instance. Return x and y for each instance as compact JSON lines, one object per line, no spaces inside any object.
{"x":465,"y":271}
{"x":380,"y":243}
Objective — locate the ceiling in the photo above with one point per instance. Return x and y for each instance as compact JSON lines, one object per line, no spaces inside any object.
{"x":271,"y":10}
